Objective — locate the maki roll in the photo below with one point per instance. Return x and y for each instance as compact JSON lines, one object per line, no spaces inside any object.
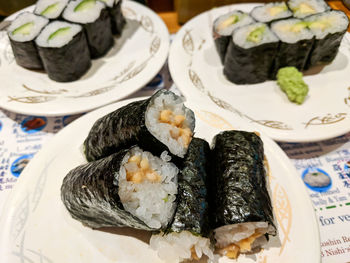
{"x":160,"y":123}
{"x":241,"y":212}
{"x":51,"y":9}
{"x":304,"y":8}
{"x":223,"y":28}
{"x":94,"y":17}
{"x":22,"y":33}
{"x":187,"y":236}
{"x":296,"y":43}
{"x":64,"y":51}
{"x":117,"y":19}
{"x":271,"y":12}
{"x":328,"y":29}
{"x":250,"y":54}
{"x":131,"y":188}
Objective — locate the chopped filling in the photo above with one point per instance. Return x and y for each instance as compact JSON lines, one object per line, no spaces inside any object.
{"x":227,"y":22}
{"x":305,"y":8}
{"x":177,"y":122}
{"x":245,"y":245}
{"x":275,"y":10}
{"x":138,"y":170}
{"x":194,"y":254}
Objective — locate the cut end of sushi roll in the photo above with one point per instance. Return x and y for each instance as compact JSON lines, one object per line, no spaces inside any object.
{"x":291,"y":30}
{"x":83,"y":11}
{"x":168,"y":120}
{"x":231,"y":240}
{"x":26,"y":27}
{"x":49,"y":8}
{"x":57,"y":34}
{"x":224,"y":25}
{"x":304,"y":8}
{"x":272,"y":11}
{"x":148,"y":187}
{"x":178,"y":247}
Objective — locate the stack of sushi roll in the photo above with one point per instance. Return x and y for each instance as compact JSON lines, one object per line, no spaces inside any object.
{"x":94,"y":17}
{"x":223,"y":28}
{"x":271,"y":12}
{"x":304,"y":8}
{"x":58,"y":44}
{"x":116,"y":15}
{"x":50,"y":9}
{"x":250,"y":54}
{"x":22,"y":33}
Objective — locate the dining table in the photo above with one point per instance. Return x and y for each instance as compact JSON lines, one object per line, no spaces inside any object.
{"x":22,"y":136}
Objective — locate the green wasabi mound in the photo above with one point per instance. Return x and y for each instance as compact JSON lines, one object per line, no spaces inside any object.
{"x":291,"y":82}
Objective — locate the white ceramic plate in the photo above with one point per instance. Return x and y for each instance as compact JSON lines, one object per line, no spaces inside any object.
{"x":197,"y":71}
{"x":35,"y":224}
{"x":136,"y":57}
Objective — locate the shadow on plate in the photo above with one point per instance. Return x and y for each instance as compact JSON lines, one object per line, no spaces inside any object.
{"x":141,"y":235}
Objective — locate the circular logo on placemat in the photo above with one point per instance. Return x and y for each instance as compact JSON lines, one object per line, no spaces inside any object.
{"x":20,"y":163}
{"x":33,"y":124}
{"x":317,"y":179}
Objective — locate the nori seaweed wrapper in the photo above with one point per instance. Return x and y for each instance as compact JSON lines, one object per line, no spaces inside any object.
{"x":90,"y":194}
{"x":117,"y":19}
{"x":69,"y":62}
{"x":122,"y":128}
{"x":221,"y":43}
{"x":26,"y":54}
{"x":251,"y":65}
{"x":99,"y":35}
{"x":192,"y":207}
{"x":238,"y":192}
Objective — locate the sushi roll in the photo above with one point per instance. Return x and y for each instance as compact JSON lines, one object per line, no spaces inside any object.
{"x":296,"y":43}
{"x":187,"y":236}
{"x":271,"y":12}
{"x":241,"y":212}
{"x":328,"y":29}
{"x":22,"y":33}
{"x":223,"y":28}
{"x":94,"y":17}
{"x":117,"y":18}
{"x":131,"y":188}
{"x":51,"y":9}
{"x":64,"y":51}
{"x":250,"y":54}
{"x":304,"y":8}
{"x":160,"y":123}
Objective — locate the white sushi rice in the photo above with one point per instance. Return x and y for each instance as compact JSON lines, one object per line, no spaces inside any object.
{"x":152,"y":202}
{"x":283,"y":30}
{"x":22,"y":19}
{"x":84,"y":16}
{"x":244,"y":19}
{"x":176,"y":247}
{"x":318,"y":6}
{"x":232,"y":234}
{"x":240,"y":36}
{"x":168,"y":101}
{"x":334,"y":22}
{"x":263,"y":13}
{"x":41,"y":5}
{"x":109,"y":3}
{"x":59,"y":41}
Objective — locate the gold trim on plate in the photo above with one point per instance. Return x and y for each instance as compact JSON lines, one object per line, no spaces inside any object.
{"x":325,"y":120}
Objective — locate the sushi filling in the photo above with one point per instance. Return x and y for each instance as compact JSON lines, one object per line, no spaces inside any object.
{"x":241,"y":238}
{"x":50,"y":9}
{"x":272,"y":11}
{"x":291,"y":30}
{"x":170,"y":122}
{"x":148,"y":187}
{"x":302,"y":8}
{"x":224,"y":25}
{"x":177,"y":247}
{"x":83,"y":11}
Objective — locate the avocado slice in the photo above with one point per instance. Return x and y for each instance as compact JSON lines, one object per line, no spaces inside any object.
{"x":50,"y":9}
{"x":227,"y":22}
{"x":85,"y":5}
{"x":59,"y":32}
{"x":257,"y":34}
{"x":24,"y":29}
{"x":297,"y":27}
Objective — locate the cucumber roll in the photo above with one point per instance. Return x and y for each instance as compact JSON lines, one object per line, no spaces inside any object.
{"x":296,"y":43}
{"x":250,"y":54}
{"x":241,"y":212}
{"x":94,"y":17}
{"x":160,"y":123}
{"x":304,"y":8}
{"x":22,"y":33}
{"x":187,"y":236}
{"x":131,"y":188}
{"x":329,"y":29}
{"x":117,"y":19}
{"x":51,"y":9}
{"x":64,"y":51}
{"x":223,"y":28}
{"x":271,"y":12}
